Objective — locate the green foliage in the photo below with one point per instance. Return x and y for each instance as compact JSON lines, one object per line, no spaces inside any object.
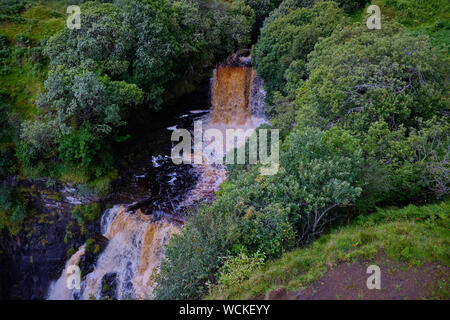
{"x":92,"y":246}
{"x":193,"y":256}
{"x":266,"y":214}
{"x":388,"y":88}
{"x":412,"y":13}
{"x":126,"y":54}
{"x":13,"y":209}
{"x":236,"y":269}
{"x":10,"y":10}
{"x":261,"y":8}
{"x":289,"y":5}
{"x":210,"y":31}
{"x":4,"y":49}
{"x":412,"y":235}
{"x":289,"y":39}
{"x":143,"y":42}
{"x":86,"y":213}
{"x":282,"y":114}
{"x":79,"y":111}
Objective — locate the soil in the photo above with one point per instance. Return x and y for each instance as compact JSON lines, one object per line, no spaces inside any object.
{"x":399,"y":281}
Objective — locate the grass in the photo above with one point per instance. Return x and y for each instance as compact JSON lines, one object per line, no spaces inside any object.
{"x":431,"y":17}
{"x":23,"y":80}
{"x":413,"y":235}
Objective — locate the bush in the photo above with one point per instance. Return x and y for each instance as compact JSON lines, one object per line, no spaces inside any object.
{"x":4,"y":49}
{"x":86,"y":213}
{"x":13,"y":210}
{"x":22,"y":40}
{"x":320,"y":171}
{"x":262,"y":9}
{"x":289,"y":5}
{"x":10,"y":10}
{"x":383,"y":87}
{"x":236,"y":269}
{"x":289,"y":39}
{"x":193,"y":256}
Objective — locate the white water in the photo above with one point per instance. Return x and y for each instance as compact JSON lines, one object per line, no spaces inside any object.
{"x":134,"y":252}
{"x":136,"y":244}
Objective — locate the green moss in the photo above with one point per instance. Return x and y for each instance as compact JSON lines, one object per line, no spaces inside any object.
{"x":92,"y":246}
{"x":86,"y":213}
{"x":71,"y":251}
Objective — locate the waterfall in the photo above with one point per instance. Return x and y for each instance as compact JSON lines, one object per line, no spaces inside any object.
{"x":237,"y":102}
{"x":133,"y":254}
{"x":237,"y":95}
{"x":136,"y":243}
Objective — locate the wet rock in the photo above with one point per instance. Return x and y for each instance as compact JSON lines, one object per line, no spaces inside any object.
{"x":109,"y":286}
{"x":94,"y":247}
{"x":32,"y":259}
{"x":240,"y":58}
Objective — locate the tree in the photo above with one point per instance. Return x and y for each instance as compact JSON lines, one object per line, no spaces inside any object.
{"x":380,"y":86}
{"x":268,"y":215}
{"x":289,"y":39}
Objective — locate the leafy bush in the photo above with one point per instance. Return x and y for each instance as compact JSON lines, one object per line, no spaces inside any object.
{"x":148,"y":42}
{"x":10,"y":10}
{"x":289,"y":5}
{"x":236,"y":269}
{"x":266,"y":214}
{"x":22,"y":40}
{"x":262,"y":9}
{"x":289,"y":39}
{"x":4,"y":48}
{"x":92,"y":246}
{"x":86,"y":213}
{"x":193,"y":256}
{"x":13,"y":210}
{"x":386,"y":88}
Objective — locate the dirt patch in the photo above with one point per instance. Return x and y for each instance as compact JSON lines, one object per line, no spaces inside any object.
{"x":399,"y":281}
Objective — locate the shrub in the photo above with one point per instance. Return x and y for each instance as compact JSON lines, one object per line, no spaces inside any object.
{"x":383,"y":87}
{"x":289,"y":39}
{"x":262,"y":9}
{"x":86,"y":213}
{"x":4,"y":48}
{"x":236,"y":269}
{"x":13,"y":210}
{"x":193,"y":256}
{"x":289,"y":5}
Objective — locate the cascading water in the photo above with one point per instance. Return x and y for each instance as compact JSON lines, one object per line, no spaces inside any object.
{"x":135,"y":240}
{"x":133,"y":254}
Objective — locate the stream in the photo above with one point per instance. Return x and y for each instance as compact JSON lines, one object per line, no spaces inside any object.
{"x":161,"y":196}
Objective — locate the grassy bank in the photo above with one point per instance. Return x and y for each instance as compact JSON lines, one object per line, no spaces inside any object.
{"x":411,"y":235}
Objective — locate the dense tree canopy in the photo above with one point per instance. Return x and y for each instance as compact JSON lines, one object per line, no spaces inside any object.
{"x":387,"y":87}
{"x":285,"y":42}
{"x":364,"y":120}
{"x":126,"y":53}
{"x":266,"y":214}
